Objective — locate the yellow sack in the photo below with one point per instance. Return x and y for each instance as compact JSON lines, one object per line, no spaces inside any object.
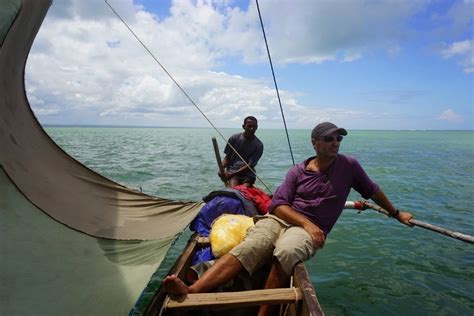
{"x":228,"y":231}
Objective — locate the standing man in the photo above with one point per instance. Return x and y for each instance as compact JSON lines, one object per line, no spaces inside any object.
{"x":250,"y":148}
{"x":303,"y":211}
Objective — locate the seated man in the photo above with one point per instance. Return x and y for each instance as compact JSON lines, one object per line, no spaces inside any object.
{"x":303,"y":211}
{"x":250,"y":148}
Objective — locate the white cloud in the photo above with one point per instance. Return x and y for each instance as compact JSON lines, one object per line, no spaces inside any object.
{"x":351,"y":57}
{"x":85,"y":67}
{"x":89,"y":69}
{"x":462,"y":50}
{"x":317,"y":31}
{"x":450,"y":116}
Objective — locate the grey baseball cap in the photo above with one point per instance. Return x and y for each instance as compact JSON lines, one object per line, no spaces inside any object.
{"x":325,"y":129}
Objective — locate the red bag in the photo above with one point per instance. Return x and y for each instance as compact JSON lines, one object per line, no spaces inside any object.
{"x":260,"y":199}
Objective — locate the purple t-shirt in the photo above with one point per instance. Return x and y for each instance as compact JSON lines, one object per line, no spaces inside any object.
{"x":321,"y":196}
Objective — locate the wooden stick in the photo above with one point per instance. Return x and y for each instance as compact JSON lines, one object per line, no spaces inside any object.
{"x":437,"y":229}
{"x":218,"y":159}
{"x":444,"y":231}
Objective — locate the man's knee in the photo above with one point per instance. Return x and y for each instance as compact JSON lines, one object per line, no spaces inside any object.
{"x":288,"y":259}
{"x":290,"y":251}
{"x":255,"y":250}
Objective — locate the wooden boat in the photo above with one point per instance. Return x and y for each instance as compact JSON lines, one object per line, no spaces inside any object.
{"x":298,"y":299}
{"x":36,"y":175}
{"x":32,"y":163}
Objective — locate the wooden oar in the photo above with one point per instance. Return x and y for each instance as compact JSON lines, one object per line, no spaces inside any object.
{"x":358,"y":205}
{"x":218,"y":159}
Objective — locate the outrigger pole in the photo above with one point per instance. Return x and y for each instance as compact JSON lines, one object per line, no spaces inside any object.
{"x":363,"y":205}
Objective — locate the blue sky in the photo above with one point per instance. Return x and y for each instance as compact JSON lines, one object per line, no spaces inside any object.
{"x":361,"y":64}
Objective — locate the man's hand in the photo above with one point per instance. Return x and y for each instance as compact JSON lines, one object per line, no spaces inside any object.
{"x":291,"y":216}
{"x":316,"y":233}
{"x":381,"y":199}
{"x":404,"y":218}
{"x":226,"y":176}
{"x":221,"y":175}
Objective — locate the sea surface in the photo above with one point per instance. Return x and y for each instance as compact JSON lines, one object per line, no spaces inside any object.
{"x":371,"y":264}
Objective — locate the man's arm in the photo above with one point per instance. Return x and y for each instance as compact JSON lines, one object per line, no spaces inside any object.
{"x":280,"y":207}
{"x":225,"y":164}
{"x":229,"y":175}
{"x":291,"y":216}
{"x":381,"y":199}
{"x":226,"y":161}
{"x":253,"y":160}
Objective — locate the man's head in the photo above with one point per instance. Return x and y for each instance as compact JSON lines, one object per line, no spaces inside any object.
{"x":250,"y":126}
{"x":326,"y":139}
{"x":326,"y":129}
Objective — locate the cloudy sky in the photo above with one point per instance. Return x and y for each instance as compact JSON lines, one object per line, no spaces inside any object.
{"x":364,"y":64}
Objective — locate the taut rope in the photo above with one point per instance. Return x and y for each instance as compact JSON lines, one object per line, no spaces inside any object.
{"x":274,"y":80}
{"x":186,"y":94}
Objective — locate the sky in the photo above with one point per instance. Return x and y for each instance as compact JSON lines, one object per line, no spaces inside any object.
{"x":362,"y":64}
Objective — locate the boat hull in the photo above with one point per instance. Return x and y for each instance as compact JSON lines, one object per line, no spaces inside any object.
{"x":298,"y":299}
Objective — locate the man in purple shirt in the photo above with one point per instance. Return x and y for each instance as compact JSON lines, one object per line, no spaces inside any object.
{"x":303,"y":211}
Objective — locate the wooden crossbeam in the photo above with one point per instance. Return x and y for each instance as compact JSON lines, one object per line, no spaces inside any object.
{"x":235,"y":299}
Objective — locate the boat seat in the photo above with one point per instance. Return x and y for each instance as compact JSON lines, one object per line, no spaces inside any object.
{"x":223,"y":300}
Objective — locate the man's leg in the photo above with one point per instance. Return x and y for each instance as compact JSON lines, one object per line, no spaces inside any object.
{"x":277,"y":278}
{"x":294,"y":245}
{"x":255,"y":250}
{"x":225,"y":269}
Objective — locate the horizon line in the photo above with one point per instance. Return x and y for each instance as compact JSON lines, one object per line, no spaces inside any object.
{"x":201,"y":127}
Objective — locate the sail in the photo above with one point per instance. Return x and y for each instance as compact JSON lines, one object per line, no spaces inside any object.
{"x":71,"y":241}
{"x":47,"y":268}
{"x":53,"y":181}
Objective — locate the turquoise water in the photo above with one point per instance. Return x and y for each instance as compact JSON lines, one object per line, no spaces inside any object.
{"x":371,"y":265}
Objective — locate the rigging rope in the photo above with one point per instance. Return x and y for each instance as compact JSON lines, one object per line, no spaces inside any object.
{"x":186,"y":94}
{"x":274,"y":80}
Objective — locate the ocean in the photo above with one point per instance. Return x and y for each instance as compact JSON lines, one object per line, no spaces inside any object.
{"x":371,"y":264}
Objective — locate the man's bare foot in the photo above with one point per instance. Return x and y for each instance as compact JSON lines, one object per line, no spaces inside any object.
{"x":174,"y":285}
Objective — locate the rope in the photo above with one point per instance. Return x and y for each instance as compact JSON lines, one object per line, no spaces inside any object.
{"x":297,"y":297}
{"x":274,"y":80}
{"x":187,"y":95}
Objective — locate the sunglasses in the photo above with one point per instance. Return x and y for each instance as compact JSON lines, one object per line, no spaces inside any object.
{"x":329,"y":139}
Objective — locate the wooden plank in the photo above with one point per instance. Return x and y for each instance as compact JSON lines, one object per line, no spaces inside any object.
{"x":302,"y":279}
{"x":203,"y":241}
{"x":185,"y":257}
{"x":179,"y":269}
{"x":236,"y":299}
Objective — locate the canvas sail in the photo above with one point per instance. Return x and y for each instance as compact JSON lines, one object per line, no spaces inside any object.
{"x":71,"y":241}
{"x":47,"y":268}
{"x":56,"y":183}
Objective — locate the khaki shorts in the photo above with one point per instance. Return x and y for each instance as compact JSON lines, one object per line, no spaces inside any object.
{"x":272,"y":237}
